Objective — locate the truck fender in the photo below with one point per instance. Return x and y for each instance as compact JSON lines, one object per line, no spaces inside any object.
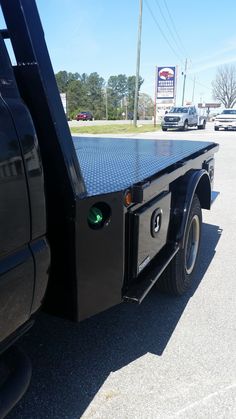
{"x":199,"y":183}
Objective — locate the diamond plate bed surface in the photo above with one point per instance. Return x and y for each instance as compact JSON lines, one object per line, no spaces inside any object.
{"x":114,"y":164}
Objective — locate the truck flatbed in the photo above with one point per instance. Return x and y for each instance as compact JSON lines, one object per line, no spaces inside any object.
{"x":114,"y":164}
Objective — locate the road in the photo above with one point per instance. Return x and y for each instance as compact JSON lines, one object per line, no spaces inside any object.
{"x":169,"y":357}
{"x":109,"y":122}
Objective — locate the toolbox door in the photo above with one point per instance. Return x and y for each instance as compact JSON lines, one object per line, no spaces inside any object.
{"x":149,"y":231}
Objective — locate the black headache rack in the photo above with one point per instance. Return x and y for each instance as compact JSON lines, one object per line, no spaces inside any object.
{"x":63,"y":180}
{"x":102,"y":247}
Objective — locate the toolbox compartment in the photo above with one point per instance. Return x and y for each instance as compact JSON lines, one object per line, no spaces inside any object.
{"x":149,"y":231}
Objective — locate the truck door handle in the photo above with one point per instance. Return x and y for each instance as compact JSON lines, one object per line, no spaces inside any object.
{"x":156,"y":220}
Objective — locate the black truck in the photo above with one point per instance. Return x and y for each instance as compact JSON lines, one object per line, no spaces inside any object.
{"x":85,"y":223}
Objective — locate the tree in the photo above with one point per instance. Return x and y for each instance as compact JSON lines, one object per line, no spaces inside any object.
{"x":145,"y":106}
{"x":131,"y":91}
{"x":224,"y":85}
{"x":74,"y":95}
{"x":95,"y":95}
{"x":64,"y":78}
{"x":84,"y":92}
{"x":117,"y":89}
{"x":87,"y":92}
{"x":116,"y":92}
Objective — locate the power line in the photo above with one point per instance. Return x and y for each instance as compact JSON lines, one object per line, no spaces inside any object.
{"x":174,"y":27}
{"x":178,"y":44}
{"x":199,"y":83}
{"x":166,"y":39}
{"x":162,"y":33}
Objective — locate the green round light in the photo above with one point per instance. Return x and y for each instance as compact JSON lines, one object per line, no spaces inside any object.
{"x":95,"y":216}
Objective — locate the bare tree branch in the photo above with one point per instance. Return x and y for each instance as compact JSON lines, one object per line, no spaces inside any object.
{"x":224,"y":85}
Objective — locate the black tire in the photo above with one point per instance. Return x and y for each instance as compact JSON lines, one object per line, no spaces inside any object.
{"x":185,"y":127}
{"x":216,"y":128}
{"x":179,"y":274}
{"x":164,"y":129}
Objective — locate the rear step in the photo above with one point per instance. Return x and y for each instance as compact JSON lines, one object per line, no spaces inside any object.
{"x":15,"y":375}
{"x":138,"y":291}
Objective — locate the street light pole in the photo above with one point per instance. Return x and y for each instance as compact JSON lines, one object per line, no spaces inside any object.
{"x":138,"y":63}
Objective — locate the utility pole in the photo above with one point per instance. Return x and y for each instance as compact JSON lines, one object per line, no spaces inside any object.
{"x":106,"y":102}
{"x":138,"y":62}
{"x":155,"y":99}
{"x":185,"y":71}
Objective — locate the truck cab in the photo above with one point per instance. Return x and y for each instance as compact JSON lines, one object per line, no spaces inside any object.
{"x":226,"y":120}
{"x":23,"y":244}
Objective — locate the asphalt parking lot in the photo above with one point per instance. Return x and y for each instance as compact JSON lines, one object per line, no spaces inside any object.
{"x":169,"y":357}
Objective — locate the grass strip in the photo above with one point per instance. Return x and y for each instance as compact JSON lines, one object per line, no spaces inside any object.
{"x":114,"y":129}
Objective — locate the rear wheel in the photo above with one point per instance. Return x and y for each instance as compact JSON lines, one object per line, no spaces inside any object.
{"x":178,"y":275}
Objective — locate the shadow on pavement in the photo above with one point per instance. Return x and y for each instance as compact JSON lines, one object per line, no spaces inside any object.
{"x":71,"y":361}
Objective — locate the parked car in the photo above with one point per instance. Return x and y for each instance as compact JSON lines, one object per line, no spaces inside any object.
{"x":226,"y":120}
{"x":84,"y":116}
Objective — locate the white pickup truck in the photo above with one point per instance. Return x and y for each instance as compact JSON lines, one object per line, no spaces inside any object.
{"x":226,"y":120}
{"x":182,"y":117}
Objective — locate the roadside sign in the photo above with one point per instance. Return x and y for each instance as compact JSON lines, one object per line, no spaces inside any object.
{"x":166,"y":82}
{"x":209,"y":105}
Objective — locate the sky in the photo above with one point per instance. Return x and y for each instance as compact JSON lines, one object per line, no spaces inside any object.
{"x":85,"y":36}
